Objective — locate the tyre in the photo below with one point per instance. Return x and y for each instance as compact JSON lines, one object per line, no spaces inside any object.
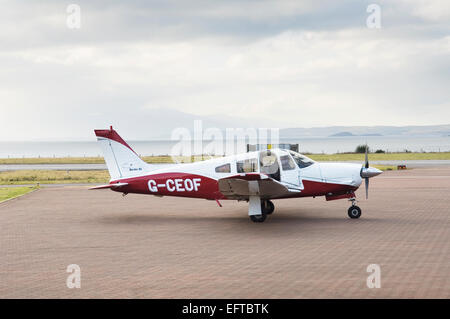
{"x":258,"y":218}
{"x":267,"y":207}
{"x":354,"y":212}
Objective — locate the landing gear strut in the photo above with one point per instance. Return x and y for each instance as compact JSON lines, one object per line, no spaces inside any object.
{"x":354,"y":211}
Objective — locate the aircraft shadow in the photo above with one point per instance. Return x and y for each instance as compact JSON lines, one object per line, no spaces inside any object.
{"x":300,"y":219}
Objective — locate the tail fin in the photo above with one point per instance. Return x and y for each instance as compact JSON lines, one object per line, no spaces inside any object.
{"x":120,"y":158}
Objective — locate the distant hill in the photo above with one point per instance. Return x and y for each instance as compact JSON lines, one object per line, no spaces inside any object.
{"x":343,"y":131}
{"x":373,"y":134}
{"x":342,"y":134}
{"x":160,"y":129}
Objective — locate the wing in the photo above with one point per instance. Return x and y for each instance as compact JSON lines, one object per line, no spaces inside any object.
{"x":253,"y":184}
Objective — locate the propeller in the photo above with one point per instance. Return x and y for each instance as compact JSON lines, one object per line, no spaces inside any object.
{"x":368,"y":172}
{"x":366,"y":166}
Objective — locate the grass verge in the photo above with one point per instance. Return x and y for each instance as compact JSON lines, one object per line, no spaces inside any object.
{"x":380,"y":157}
{"x":13,"y":192}
{"x":385,"y":167}
{"x":93,"y":160}
{"x":52,"y":177}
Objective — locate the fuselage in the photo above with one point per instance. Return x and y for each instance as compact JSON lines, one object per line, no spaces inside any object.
{"x":201,"y":179}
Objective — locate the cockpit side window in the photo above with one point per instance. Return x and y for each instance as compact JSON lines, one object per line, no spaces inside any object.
{"x":287,"y":163}
{"x":301,"y":160}
{"x":225,"y":168}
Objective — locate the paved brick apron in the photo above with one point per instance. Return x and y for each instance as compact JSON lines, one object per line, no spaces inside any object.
{"x":147,"y":247}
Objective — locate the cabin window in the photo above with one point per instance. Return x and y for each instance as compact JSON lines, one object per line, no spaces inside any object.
{"x":287,"y":163}
{"x":247,"y":166}
{"x":225,"y":168}
{"x":301,"y":160}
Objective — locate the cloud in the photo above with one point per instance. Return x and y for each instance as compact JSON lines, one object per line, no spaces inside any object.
{"x":434,"y":11}
{"x":288,"y":63}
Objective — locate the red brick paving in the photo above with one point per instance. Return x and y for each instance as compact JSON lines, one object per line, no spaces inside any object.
{"x":148,"y":247}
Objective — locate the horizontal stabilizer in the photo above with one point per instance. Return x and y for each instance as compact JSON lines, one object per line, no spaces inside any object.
{"x":116,"y":185}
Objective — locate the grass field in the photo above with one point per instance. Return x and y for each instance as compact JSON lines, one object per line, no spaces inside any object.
{"x":12,"y":192}
{"x":168,"y":159}
{"x":380,"y":157}
{"x":52,"y":177}
{"x":93,"y":160}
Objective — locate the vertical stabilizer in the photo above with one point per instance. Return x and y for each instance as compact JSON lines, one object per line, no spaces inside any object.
{"x":121,"y":160}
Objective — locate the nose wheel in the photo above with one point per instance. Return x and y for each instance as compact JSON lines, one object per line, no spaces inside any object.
{"x":354,"y":211}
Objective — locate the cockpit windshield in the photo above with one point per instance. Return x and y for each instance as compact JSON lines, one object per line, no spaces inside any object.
{"x":301,"y":160}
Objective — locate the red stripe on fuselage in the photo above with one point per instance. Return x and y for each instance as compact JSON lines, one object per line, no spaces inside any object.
{"x":175,"y":184}
{"x":197,"y":186}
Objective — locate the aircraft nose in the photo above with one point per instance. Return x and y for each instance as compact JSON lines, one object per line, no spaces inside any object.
{"x":370,"y":172}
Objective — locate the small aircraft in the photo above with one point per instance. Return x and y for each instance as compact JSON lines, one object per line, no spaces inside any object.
{"x":256,"y":177}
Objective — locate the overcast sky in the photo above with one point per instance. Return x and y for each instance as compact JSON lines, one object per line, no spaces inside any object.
{"x":140,"y":64}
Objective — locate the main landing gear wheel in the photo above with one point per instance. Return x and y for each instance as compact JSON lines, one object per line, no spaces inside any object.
{"x":354,"y":212}
{"x":258,"y":218}
{"x":267,"y":207}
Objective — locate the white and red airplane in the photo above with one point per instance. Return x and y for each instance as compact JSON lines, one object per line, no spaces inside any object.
{"x":256,"y":177}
